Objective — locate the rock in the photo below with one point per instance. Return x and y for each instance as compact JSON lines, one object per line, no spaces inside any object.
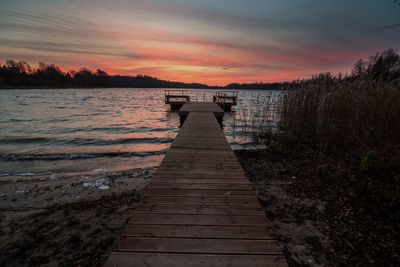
{"x":104,"y":187}
{"x":123,"y":209}
{"x":54,"y":177}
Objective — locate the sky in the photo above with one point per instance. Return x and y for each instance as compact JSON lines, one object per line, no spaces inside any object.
{"x":209,"y":41}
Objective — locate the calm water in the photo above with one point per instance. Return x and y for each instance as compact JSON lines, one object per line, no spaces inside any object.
{"x":62,"y":132}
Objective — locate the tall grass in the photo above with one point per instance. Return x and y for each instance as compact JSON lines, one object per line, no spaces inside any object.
{"x":352,"y":112}
{"x":260,"y":116}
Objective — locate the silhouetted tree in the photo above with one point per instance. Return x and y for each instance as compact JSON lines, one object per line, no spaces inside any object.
{"x":384,"y":66}
{"x":50,"y":75}
{"x":359,"y":68}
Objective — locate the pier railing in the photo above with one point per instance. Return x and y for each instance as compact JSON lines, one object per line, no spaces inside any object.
{"x":176,"y":98}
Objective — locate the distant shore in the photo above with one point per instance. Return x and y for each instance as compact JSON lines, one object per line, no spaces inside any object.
{"x":2,"y":87}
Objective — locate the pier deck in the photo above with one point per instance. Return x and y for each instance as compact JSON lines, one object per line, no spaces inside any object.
{"x":199,"y":209}
{"x":207,"y":107}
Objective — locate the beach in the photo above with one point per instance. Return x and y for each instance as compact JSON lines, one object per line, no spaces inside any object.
{"x":73,"y":221}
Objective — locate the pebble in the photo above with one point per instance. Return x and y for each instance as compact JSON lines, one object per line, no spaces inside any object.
{"x":54,"y":177}
{"x":104,"y":187}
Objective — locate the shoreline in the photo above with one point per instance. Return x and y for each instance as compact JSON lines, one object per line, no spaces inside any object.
{"x":70,"y":221}
{"x":25,"y":194}
{"x":316,"y":208}
{"x":287,"y":180}
{"x":130,"y":87}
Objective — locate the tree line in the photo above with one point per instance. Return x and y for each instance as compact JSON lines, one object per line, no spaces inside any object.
{"x":20,"y":73}
{"x":381,"y":66}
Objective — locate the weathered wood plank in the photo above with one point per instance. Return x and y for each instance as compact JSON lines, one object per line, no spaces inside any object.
{"x":135,"y":259}
{"x":197,"y":186}
{"x":196,"y":231}
{"x":199,"y":209}
{"x":251,"y":200}
{"x":201,"y":175}
{"x":196,"y":219}
{"x":200,"y":181}
{"x":197,"y":193}
{"x":188,"y":245}
{"x":201,"y":107}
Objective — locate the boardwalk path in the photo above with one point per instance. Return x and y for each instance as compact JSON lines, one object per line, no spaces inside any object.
{"x":199,"y":209}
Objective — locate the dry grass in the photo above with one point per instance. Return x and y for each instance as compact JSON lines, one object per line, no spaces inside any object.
{"x":259,"y":117}
{"x":340,"y":140}
{"x":344,"y":113}
{"x":359,"y":112}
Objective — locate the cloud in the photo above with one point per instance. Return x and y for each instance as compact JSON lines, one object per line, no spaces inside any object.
{"x":388,"y":27}
{"x":194,"y":40}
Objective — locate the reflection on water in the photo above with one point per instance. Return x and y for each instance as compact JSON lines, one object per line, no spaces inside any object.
{"x":82,"y":130}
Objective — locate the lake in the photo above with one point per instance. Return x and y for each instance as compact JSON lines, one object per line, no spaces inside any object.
{"x":51,"y":133}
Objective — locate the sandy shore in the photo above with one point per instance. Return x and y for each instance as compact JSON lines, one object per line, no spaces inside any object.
{"x":74,"y":221}
{"x":65,"y":222}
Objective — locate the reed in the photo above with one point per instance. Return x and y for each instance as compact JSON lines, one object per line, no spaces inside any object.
{"x":259,"y":117}
{"x":353,"y":112}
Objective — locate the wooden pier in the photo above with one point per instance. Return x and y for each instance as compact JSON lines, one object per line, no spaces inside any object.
{"x":199,"y":209}
{"x":201,"y":107}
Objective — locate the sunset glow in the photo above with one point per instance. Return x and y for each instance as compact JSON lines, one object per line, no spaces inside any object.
{"x":199,"y":41}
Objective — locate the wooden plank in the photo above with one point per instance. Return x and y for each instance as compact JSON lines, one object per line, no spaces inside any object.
{"x":198,"y":231}
{"x":200,"y":181}
{"x":178,"y":164}
{"x":188,"y":245}
{"x":198,"y":175}
{"x":210,"y":168}
{"x":202,"y":200}
{"x":197,"y":186}
{"x":199,"y":209}
{"x":197,"y":193}
{"x":180,"y":219}
{"x":201,"y":153}
{"x":201,"y":107}
{"x":195,"y":164}
{"x":196,"y":170}
{"x":206,"y":145}
{"x":137,"y":259}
